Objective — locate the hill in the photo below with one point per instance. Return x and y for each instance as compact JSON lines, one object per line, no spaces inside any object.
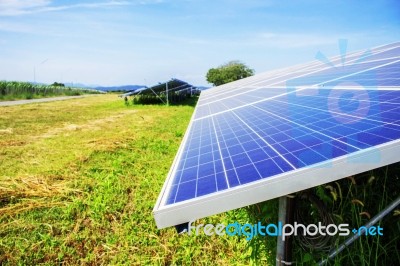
{"x":120,"y":88}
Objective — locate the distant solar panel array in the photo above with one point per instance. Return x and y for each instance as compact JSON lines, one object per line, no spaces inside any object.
{"x":285,"y":131}
{"x":172,"y":91}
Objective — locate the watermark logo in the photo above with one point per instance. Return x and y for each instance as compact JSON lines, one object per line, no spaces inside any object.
{"x":249,"y":231}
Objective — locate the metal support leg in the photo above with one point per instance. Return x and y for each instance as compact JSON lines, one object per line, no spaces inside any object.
{"x":284,"y":248}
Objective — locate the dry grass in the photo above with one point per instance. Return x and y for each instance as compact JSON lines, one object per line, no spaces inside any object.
{"x":33,"y":151}
{"x":21,"y":194}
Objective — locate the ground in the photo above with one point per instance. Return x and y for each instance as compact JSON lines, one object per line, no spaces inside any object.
{"x":79,"y":179}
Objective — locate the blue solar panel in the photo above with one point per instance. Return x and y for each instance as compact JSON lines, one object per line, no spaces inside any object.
{"x":245,"y":139}
{"x":282,"y":134}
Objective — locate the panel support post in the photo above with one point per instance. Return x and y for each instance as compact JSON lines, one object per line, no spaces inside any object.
{"x":285,"y":216}
{"x":166,"y":92}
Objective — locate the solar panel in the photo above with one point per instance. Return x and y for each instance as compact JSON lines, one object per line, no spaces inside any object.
{"x":173,"y":85}
{"x":285,"y":131}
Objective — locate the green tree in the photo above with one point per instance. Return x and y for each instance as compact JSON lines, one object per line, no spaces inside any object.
{"x":231,"y":71}
{"x":56,"y":84}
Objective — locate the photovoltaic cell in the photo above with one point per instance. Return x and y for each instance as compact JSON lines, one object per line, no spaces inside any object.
{"x":249,"y":141}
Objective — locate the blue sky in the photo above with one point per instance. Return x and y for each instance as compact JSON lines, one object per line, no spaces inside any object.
{"x":148,"y":41}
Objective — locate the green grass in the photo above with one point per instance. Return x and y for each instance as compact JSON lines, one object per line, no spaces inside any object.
{"x":79,"y":180}
{"x":14,"y":90}
{"x":354,"y":201}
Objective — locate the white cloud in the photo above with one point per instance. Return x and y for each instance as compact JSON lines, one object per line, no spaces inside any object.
{"x":22,"y":7}
{"x":147,"y":2}
{"x":17,"y":4}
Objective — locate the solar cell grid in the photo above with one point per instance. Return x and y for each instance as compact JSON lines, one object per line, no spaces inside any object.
{"x":390,"y":53}
{"x":287,"y":133}
{"x":369,"y":74}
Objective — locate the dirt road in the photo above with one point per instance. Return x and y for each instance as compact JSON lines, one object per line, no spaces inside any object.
{"x":19,"y":102}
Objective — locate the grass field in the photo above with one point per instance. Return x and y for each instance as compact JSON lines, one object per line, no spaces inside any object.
{"x":14,"y":90}
{"x":79,"y":179}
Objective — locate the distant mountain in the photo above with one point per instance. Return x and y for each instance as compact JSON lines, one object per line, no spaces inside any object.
{"x":116,"y":88}
{"x":120,"y":88}
{"x":105,"y":88}
{"x":80,"y":85}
